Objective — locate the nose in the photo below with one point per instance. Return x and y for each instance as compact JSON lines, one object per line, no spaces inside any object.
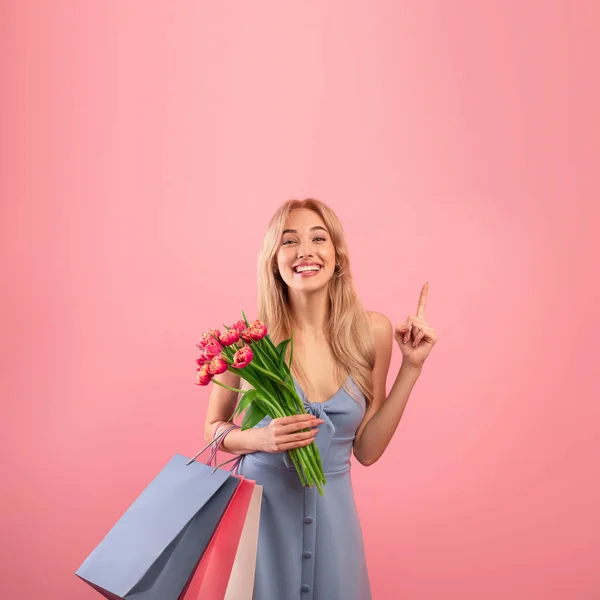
{"x":304,"y":249}
{"x":303,"y":252}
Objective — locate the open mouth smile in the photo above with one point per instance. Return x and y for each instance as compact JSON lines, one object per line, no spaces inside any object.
{"x":308,"y":269}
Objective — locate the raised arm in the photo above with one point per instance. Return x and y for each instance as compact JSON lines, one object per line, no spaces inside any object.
{"x":416,"y":338}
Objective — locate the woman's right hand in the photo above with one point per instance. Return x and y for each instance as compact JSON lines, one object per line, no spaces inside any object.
{"x":286,"y":433}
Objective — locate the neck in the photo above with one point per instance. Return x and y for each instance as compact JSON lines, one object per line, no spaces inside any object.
{"x":309,"y":313}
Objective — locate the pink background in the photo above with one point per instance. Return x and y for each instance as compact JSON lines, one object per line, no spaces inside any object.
{"x":144,"y":147}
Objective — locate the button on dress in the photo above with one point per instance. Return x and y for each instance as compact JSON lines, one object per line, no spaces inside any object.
{"x":310,"y":547}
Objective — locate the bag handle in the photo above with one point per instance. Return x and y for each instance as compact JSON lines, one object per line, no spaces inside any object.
{"x":217,"y":443}
{"x":216,"y":440}
{"x":219,"y":439}
{"x":236,"y":460}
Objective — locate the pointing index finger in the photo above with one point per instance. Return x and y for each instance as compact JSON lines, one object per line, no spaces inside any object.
{"x":422,"y":301}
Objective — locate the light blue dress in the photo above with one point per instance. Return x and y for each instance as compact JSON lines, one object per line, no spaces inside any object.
{"x":310,"y":547}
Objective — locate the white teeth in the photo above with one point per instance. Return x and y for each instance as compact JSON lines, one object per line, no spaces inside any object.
{"x":303,"y":269}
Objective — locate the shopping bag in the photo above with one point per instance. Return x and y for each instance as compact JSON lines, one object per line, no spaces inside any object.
{"x":211,"y":577}
{"x":241,"y":579}
{"x":152,"y":550}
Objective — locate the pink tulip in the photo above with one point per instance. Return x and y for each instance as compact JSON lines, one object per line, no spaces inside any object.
{"x":214,"y":333}
{"x":242,"y":358}
{"x":231,"y":336}
{"x":208,"y":337}
{"x":257,"y":330}
{"x":203,"y":377}
{"x":217,"y":365}
{"x":245,"y":335}
{"x":211,"y":350}
{"x":239,"y":325}
{"x":203,"y":358}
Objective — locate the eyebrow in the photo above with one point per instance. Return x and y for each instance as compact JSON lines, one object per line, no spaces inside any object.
{"x":311,"y":229}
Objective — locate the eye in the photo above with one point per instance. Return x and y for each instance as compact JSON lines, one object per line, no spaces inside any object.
{"x":286,"y":242}
{"x":321,"y":238}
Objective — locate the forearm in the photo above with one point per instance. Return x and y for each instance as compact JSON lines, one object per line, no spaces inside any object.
{"x":236,"y":441}
{"x":379,"y":431}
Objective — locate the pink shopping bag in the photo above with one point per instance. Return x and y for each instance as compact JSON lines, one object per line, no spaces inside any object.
{"x":211,"y":576}
{"x":241,"y":580}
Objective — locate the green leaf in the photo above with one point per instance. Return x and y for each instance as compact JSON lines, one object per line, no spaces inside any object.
{"x":254,"y":415}
{"x":270,"y":344}
{"x":281,"y":351}
{"x":281,"y":347}
{"x":245,"y":400}
{"x":291,"y":349}
{"x":268,"y":374}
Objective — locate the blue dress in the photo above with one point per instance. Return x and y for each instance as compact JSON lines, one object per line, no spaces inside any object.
{"x":310,"y":547}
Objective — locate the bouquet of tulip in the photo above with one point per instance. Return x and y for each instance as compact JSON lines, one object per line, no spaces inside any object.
{"x":247,"y":350}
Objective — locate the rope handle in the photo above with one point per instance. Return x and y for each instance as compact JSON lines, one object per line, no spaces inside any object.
{"x":217,"y":442}
{"x":236,"y":460}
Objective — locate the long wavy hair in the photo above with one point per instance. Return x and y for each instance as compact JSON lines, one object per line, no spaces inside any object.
{"x":348,"y":328}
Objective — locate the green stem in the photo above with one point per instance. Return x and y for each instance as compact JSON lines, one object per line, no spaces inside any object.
{"x":227,"y":387}
{"x":264,"y":354}
{"x":297,"y":405}
{"x":299,"y":468}
{"x":251,"y":374}
{"x":310,"y":461}
{"x":265,"y":397}
{"x":272,"y":347}
{"x":254,"y":379}
{"x":271,"y":406}
{"x":273,"y":377}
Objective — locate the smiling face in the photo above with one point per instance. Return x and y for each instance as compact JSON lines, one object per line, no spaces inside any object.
{"x":306,"y":256}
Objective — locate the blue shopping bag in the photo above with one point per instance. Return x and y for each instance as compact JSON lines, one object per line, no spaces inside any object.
{"x":152,"y":550}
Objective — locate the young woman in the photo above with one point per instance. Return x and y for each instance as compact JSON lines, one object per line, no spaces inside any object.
{"x":311,"y":546}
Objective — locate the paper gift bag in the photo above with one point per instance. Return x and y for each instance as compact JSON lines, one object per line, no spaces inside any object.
{"x":152,"y":550}
{"x":241,"y":579}
{"x":211,"y":577}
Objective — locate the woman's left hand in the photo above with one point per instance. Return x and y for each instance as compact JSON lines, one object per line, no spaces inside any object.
{"x":416,"y":337}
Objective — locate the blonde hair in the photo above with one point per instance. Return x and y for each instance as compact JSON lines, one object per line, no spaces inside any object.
{"x":348,"y":327}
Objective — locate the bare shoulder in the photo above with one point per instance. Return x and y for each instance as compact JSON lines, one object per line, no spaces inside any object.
{"x":383,"y":338}
{"x":381,"y":326}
